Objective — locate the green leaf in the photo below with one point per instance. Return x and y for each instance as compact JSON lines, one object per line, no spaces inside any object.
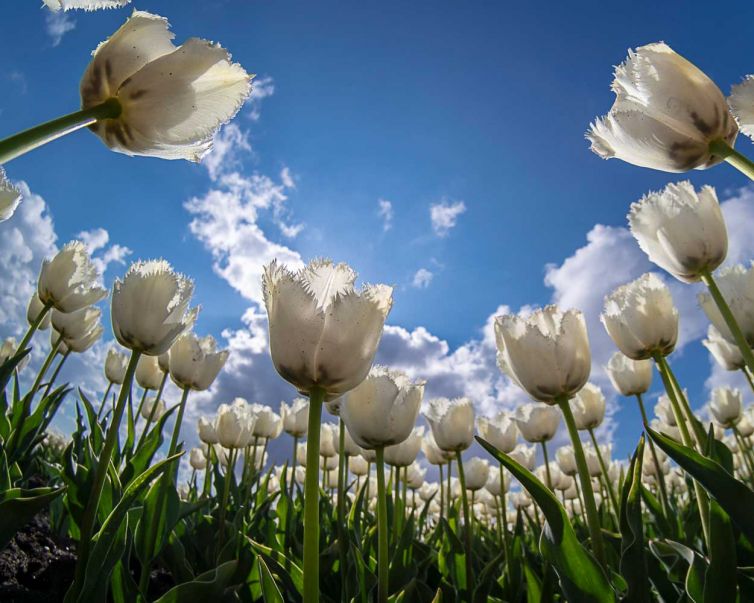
{"x":209,"y":586}
{"x":720,"y":581}
{"x":18,"y":507}
{"x":633,"y":563}
{"x":294,"y":571}
{"x":581,"y":578}
{"x":270,"y":591}
{"x":733,"y":496}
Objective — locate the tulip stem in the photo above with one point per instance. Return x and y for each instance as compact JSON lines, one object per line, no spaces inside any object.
{"x":55,"y":373}
{"x":747,"y":374}
{"x":725,"y":151}
{"x":729,"y":319}
{"x":28,"y":140}
{"x":152,"y":411}
{"x":229,"y":471}
{"x":656,"y":460}
{"x":592,"y":518}
{"x":293,"y":468}
{"x":701,"y":495}
{"x":311,"y":499}
{"x":33,"y":328}
{"x":605,"y":477}
{"x":342,"y":546}
{"x":442,"y":493}
{"x":467,"y":526}
{"x":547,"y":464}
{"x":382,"y":562}
{"x":90,"y":512}
{"x":744,"y":453}
{"x":104,"y":399}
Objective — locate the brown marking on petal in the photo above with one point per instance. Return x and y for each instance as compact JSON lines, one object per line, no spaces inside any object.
{"x":136,"y":94}
{"x":108,"y":69}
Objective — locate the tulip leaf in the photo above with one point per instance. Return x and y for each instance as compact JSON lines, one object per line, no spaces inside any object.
{"x":18,"y":507}
{"x":294,"y":571}
{"x":720,"y":581}
{"x":208,"y":586}
{"x":633,"y":563}
{"x":581,"y":578}
{"x":736,"y":499}
{"x":270,"y":591}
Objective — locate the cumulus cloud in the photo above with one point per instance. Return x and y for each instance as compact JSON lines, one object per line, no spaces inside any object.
{"x":57,"y":24}
{"x":444,"y":216}
{"x":422,"y":278}
{"x":262,"y":87}
{"x":96,"y":242}
{"x":385,"y":212}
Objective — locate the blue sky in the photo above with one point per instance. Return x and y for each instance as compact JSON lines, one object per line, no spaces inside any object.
{"x":477,"y":106}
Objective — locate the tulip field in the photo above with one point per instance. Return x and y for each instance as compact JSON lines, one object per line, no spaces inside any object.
{"x":378,"y":496}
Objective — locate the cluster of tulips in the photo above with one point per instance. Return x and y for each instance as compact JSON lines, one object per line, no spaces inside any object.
{"x":350,"y":514}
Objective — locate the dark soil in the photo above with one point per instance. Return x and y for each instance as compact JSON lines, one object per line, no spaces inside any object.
{"x":36,"y":566}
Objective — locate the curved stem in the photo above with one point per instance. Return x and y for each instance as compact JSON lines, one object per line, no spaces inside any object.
{"x":23,"y":142}
{"x":722,"y":149}
{"x":656,"y":460}
{"x":311,"y":499}
{"x":104,"y":399}
{"x":593,"y":520}
{"x":382,"y":561}
{"x":55,"y":374}
{"x":467,"y":524}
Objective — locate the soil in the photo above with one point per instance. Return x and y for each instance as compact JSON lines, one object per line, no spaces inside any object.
{"x":36,"y":566}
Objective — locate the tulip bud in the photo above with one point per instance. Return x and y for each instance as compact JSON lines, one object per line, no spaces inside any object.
{"x":301,"y":454}
{"x":327,"y":463}
{"x":149,"y":404}
{"x":150,"y":307}
{"x":10,"y":197}
{"x":323,"y":333}
{"x":524,"y":456}
{"x":745,"y":427}
{"x":268,"y":423}
{"x":629,"y":377}
{"x":195,"y":362}
{"x":73,"y":325}
{"x":428,"y":490}
{"x":357,"y":465}
{"x":664,"y":410}
{"x":741,"y":101}
{"x":68,"y":282}
{"x":736,"y":283}
{"x":207,"y":431}
{"x":727,"y":355}
{"x":432,"y":451}
{"x":33,"y":310}
{"x":477,"y":471}
{"x":546,"y":353}
{"x":641,"y":319}
{"x":295,"y":417}
{"x":233,"y":426}
{"x":537,"y":423}
{"x":172,"y":99}
{"x":197,"y":460}
{"x":148,"y":373}
{"x":666,"y":113}
{"x":500,"y":431}
{"x":452,"y":423}
{"x":405,"y":453}
{"x":681,"y":231}
{"x":83,"y":343}
{"x":592,"y":461}
{"x":588,"y":407}
{"x":725,"y":406}
{"x":328,"y":438}
{"x":566,"y":460}
{"x":493,"y":483}
{"x":115,"y":366}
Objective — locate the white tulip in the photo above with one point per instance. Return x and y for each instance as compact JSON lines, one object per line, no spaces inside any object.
{"x":665,"y":115}
{"x":566,"y":460}
{"x":357,"y":465}
{"x":405,"y":452}
{"x":164,"y":361}
{"x":233,"y":426}
{"x":350,"y":447}
{"x":592,"y":461}
{"x":537,"y":423}
{"x":33,"y":311}
{"x":80,"y":344}
{"x":500,"y":431}
{"x":725,"y":406}
{"x":521,"y":499}
{"x":149,"y":404}
{"x":73,"y":325}
{"x":295,"y":417}
{"x":195,"y":361}
{"x":667,"y":429}
{"x":745,"y":427}
{"x":432,"y":451}
{"x":301,"y":454}
{"x":629,"y":377}
{"x":736,"y":283}
{"x":268,"y":423}
{"x":727,"y":355}
{"x":148,"y":373}
{"x":150,"y":307}
{"x":370,"y":456}
{"x":382,"y":410}
{"x":69,"y":281}
{"x":428,"y":490}
{"x":681,"y":231}
{"x":8,"y":349}
{"x":741,"y":102}
{"x":65,"y":5}
{"x":172,"y":99}
{"x":10,"y":197}
{"x":328,"y":440}
{"x":323,"y":333}
{"x":452,"y":423}
{"x":197,"y":460}
{"x":115,"y":366}
{"x":207,"y":431}
{"x":328,"y":463}
{"x":664,"y":410}
{"x":546,"y":353}
{"x":415,"y":476}
{"x":476,"y":473}
{"x":641,"y":318}
{"x":524,"y":456}
{"x":493,"y":483}
{"x":588,"y":407}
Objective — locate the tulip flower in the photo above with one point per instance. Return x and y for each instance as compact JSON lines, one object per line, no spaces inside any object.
{"x":725,"y":406}
{"x":725,"y":354}
{"x":681,"y":230}
{"x":741,"y":102}
{"x":546,"y":353}
{"x":524,"y":456}
{"x":207,"y":430}
{"x":268,"y":424}
{"x":415,"y":475}
{"x":668,"y":115}
{"x":477,"y":473}
{"x":115,"y":366}
{"x":152,"y":410}
{"x":629,"y":377}
{"x":150,"y":307}
{"x":358,"y":465}
{"x":538,"y":424}
{"x":10,"y":197}
{"x":295,"y":417}
{"x":233,"y":426}
{"x":68,"y":282}
{"x":500,"y":431}
{"x":73,"y":325}
{"x":7,"y":349}
{"x":34,"y":309}
{"x":65,"y":5}
{"x":195,"y":361}
{"x":405,"y":453}
{"x":148,"y":376}
{"x":452,"y":423}
{"x":588,"y":408}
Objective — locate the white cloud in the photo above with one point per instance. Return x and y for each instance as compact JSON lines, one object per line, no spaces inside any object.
{"x":96,"y":240}
{"x":57,"y":25}
{"x":422,"y":278}
{"x":385,"y":212}
{"x":262,"y":87}
{"x":229,"y":145}
{"x":444,"y":216}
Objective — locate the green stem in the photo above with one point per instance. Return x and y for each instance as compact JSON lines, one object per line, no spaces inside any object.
{"x":442,"y":493}
{"x":547,"y":464}
{"x":744,"y":452}
{"x":606,"y":478}
{"x":311,"y":499}
{"x":342,"y":547}
{"x":722,"y":149}
{"x":593,"y":520}
{"x":90,"y":512}
{"x":229,"y":471}
{"x":104,"y":399}
{"x":467,"y":525}
{"x":730,"y":320}
{"x":55,"y":374}
{"x":746,"y":373}
{"x":656,"y":460}
{"x":28,"y":140}
{"x":449,"y":490}
{"x":141,"y":404}
{"x":382,"y":561}
{"x":33,"y":328}
{"x":207,"y":486}
{"x":152,"y":411}
{"x":293,"y":468}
